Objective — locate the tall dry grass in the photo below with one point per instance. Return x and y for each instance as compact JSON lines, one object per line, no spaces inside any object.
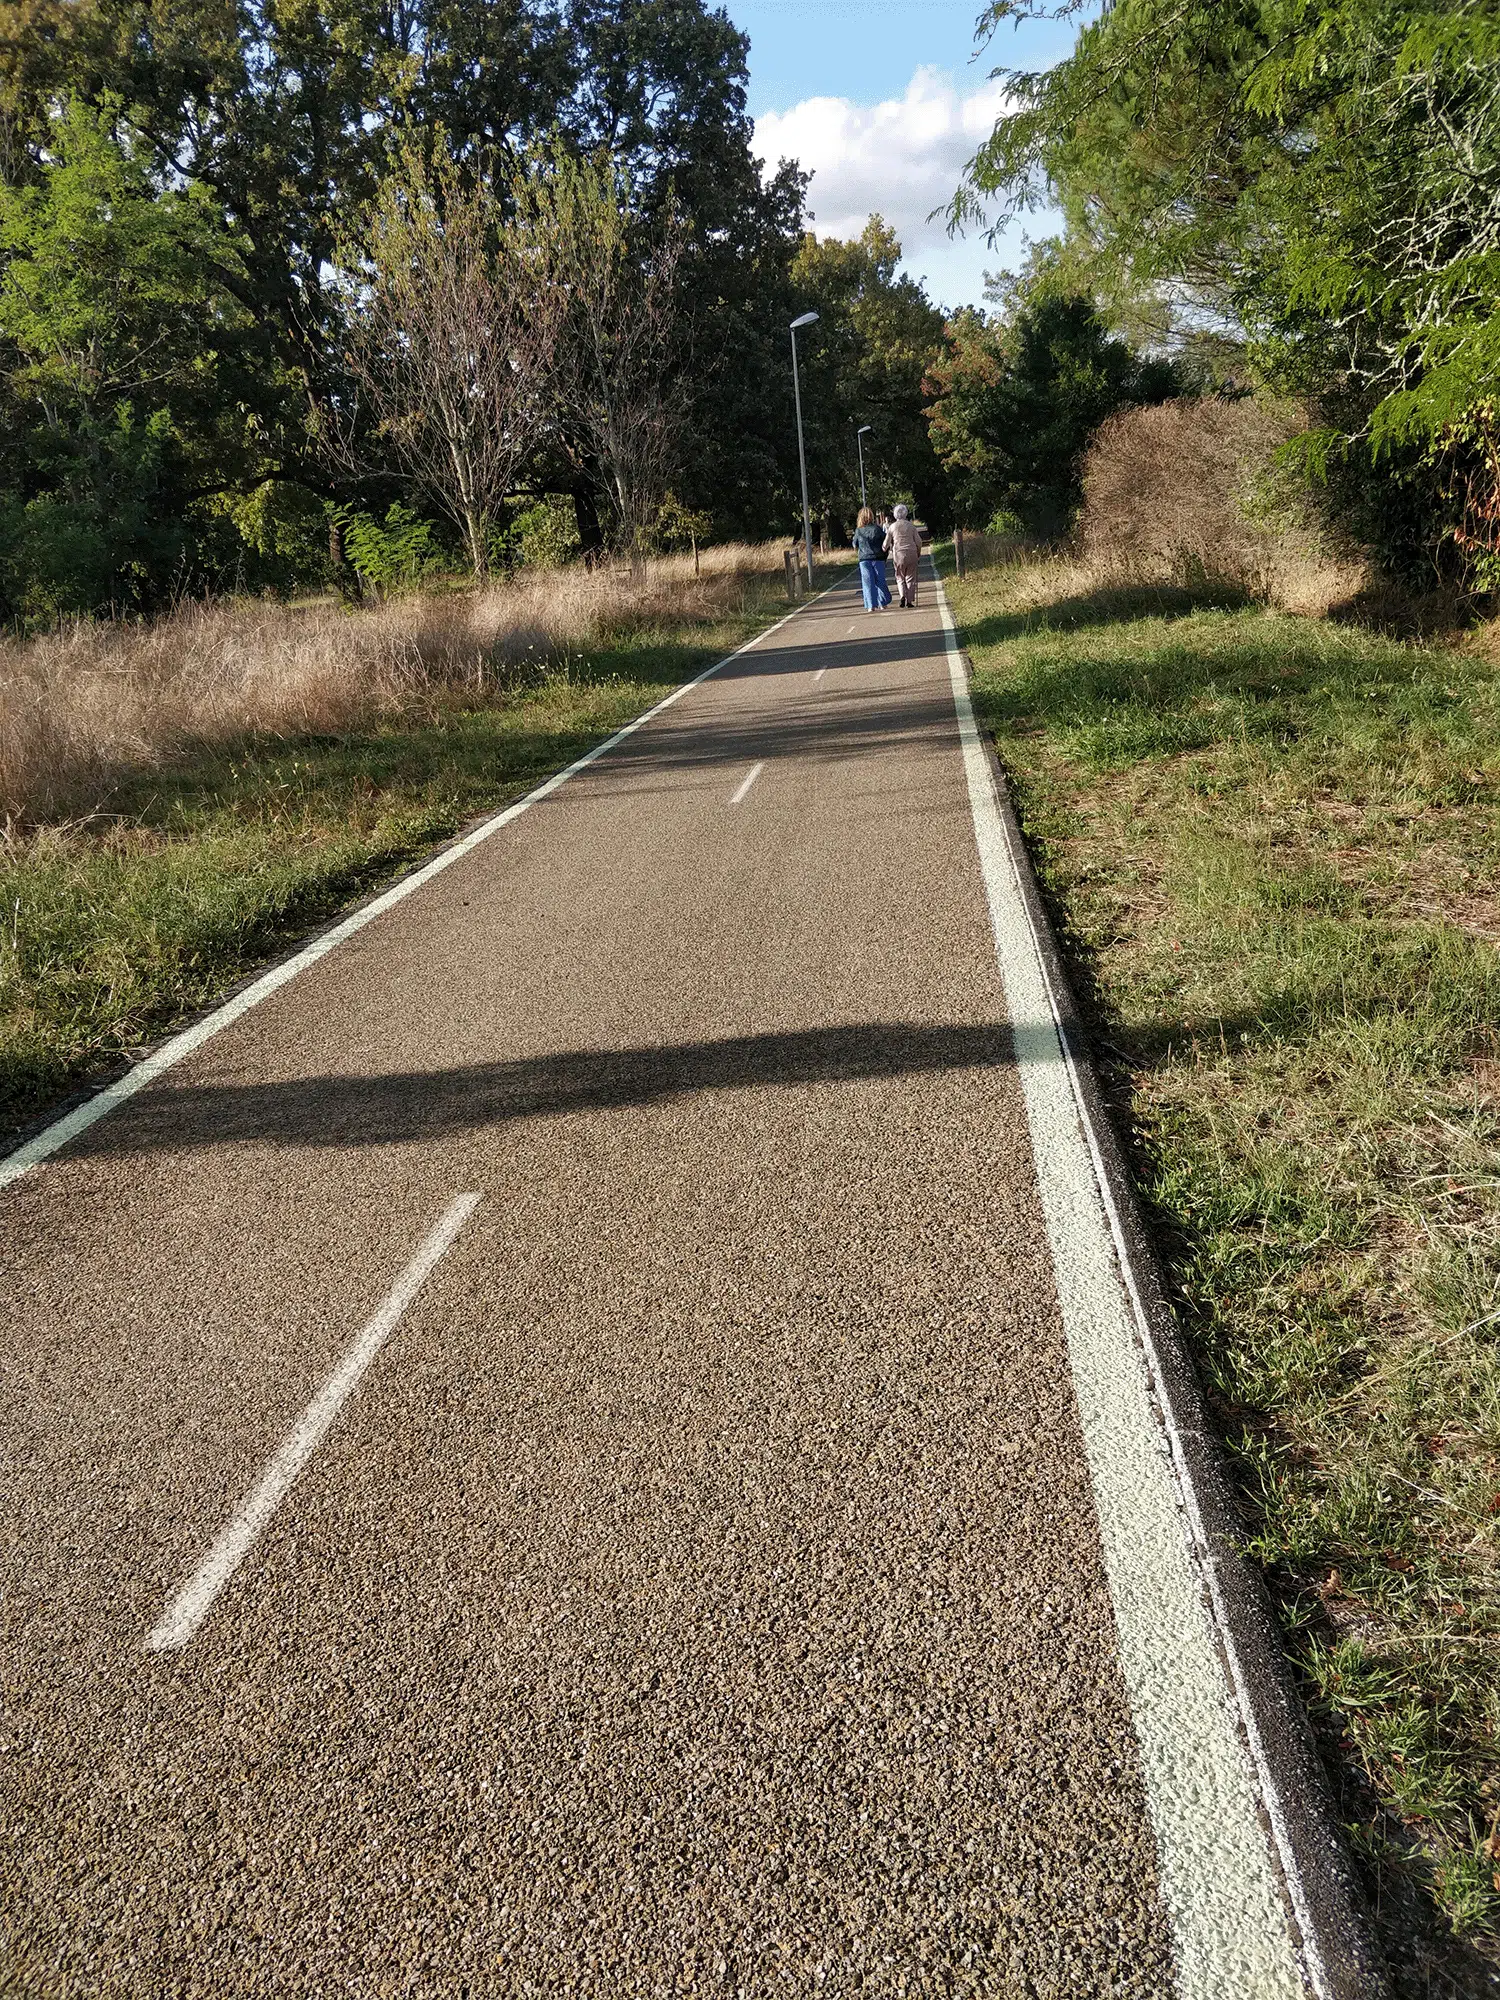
{"x":92,"y":703}
{"x":1189,"y":493}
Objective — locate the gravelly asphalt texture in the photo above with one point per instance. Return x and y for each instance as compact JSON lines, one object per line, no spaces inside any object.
{"x":702,"y":1593}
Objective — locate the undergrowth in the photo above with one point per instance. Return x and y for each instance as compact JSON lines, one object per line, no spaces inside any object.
{"x":1273,"y":846}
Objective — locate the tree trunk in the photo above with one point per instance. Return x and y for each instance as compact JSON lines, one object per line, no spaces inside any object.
{"x":477,"y":536}
{"x":590,"y":534}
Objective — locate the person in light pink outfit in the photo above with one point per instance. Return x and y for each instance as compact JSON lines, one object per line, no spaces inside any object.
{"x":905,"y":546}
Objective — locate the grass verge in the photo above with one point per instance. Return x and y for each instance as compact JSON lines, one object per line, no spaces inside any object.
{"x":1272,"y":847}
{"x":124,"y":919}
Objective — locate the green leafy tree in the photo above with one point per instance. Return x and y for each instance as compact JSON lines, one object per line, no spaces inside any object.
{"x":123,"y":351}
{"x":286,"y":111}
{"x":1017,"y":400}
{"x":878,"y":333}
{"x":1323,"y":175}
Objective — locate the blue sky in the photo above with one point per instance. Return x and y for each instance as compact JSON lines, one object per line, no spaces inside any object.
{"x":885,"y":100}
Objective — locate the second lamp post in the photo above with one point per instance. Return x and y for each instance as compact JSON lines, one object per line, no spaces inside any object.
{"x":805,"y":320}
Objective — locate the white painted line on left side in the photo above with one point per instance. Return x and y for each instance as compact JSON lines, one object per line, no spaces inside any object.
{"x":57,"y":1135}
{"x":820,"y":673}
{"x":186,"y":1611}
{"x":747,"y":781}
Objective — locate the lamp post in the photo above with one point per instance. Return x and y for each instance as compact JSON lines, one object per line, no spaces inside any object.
{"x":859,"y":443}
{"x":805,"y":320}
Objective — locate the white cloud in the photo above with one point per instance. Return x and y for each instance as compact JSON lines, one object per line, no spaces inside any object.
{"x":902,"y":158}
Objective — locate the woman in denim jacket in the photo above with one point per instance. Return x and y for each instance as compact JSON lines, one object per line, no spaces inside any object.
{"x":869,"y":546}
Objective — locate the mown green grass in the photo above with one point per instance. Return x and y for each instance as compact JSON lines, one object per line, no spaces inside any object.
{"x":124,"y":921}
{"x":1273,"y":846}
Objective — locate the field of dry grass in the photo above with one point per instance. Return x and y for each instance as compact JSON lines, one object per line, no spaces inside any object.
{"x":88,"y":706}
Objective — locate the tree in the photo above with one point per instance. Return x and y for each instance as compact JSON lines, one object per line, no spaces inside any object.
{"x":1016,"y":402}
{"x":285,"y":112}
{"x":454,"y":336}
{"x":125,"y":360}
{"x":878,"y":334}
{"x":1325,"y":174}
{"x":585,"y":245}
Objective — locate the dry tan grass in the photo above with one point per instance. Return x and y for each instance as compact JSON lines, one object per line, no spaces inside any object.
{"x":83,"y":706}
{"x":1188,"y":493}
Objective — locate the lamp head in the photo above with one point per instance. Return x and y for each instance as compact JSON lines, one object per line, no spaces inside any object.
{"x":863,"y":428}
{"x":806,"y":320}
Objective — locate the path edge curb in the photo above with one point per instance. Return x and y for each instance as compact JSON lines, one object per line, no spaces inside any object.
{"x":1270,"y":1708}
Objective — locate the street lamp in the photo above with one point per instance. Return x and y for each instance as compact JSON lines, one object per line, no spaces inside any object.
{"x":805,"y":320}
{"x":858,"y":436}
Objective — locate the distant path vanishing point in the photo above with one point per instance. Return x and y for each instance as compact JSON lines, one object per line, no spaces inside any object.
{"x":590,"y":1436}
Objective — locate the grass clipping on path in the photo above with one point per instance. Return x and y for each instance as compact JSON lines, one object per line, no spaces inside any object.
{"x":1274,"y":847}
{"x":178,"y":800}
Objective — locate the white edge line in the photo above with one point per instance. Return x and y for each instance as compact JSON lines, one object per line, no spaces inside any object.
{"x":1266,"y":1781}
{"x":820,"y":673}
{"x":187,"y":1609}
{"x":746,"y":782}
{"x":72,"y":1123}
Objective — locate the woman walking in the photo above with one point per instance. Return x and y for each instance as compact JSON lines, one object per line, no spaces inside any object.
{"x":869,"y":546}
{"x":905,"y":544}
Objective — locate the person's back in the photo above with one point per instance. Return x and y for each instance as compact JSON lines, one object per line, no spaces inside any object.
{"x":904,"y":541}
{"x":869,"y":546}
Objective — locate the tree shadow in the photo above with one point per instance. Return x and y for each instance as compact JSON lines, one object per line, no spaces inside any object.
{"x":393,"y":1108}
{"x":1104,"y":606}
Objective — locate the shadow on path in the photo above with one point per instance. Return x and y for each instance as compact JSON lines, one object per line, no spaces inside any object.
{"x":386,"y":1110}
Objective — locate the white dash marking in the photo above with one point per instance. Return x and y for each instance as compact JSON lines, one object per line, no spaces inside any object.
{"x":820,"y":673}
{"x":747,"y":781}
{"x":187,"y":1610}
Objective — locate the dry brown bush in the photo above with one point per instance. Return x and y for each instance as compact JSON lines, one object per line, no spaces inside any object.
{"x":84,"y":706}
{"x":1189,"y":493}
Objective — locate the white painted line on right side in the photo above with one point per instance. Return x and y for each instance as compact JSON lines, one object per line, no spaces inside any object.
{"x":820,"y":673}
{"x":186,"y":1611}
{"x":747,"y":781}
{"x":1218,"y":1880}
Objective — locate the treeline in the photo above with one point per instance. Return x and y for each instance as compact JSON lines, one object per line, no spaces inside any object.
{"x":289,"y":289}
{"x":1300,"y":196}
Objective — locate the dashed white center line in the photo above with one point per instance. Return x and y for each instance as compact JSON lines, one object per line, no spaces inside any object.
{"x":747,"y":781}
{"x":187,"y":1610}
{"x":820,"y":673}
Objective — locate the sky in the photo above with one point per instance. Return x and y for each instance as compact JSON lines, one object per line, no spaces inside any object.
{"x":883,"y":101}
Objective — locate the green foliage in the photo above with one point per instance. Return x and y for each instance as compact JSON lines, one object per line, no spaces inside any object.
{"x":230,"y":151}
{"x":1017,"y":400}
{"x":121,"y":338}
{"x":395,"y":553}
{"x":1322,"y":176}
{"x":865,"y":362}
{"x":543,"y":535}
{"x":678,"y":527}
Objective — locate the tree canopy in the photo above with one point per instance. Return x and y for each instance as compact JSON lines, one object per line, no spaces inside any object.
{"x":1323,"y":176}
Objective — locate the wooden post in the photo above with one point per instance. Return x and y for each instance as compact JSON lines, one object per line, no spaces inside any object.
{"x":958,"y":552}
{"x":792,"y":574}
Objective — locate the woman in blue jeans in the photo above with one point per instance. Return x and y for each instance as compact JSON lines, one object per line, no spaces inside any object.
{"x":869,"y":546}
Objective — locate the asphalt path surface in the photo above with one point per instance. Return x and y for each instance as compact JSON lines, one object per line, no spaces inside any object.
{"x":692,"y":1583}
